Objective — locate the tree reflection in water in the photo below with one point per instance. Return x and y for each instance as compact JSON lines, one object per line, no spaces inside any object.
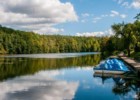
{"x":13,"y":67}
{"x":124,"y":84}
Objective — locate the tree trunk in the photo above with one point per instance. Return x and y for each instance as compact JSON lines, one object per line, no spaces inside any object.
{"x":128,"y":50}
{"x":136,"y":48}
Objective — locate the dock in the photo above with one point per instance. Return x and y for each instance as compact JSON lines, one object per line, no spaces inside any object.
{"x":135,"y":65}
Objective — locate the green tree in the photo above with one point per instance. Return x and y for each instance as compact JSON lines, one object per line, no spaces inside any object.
{"x":126,"y":33}
{"x":17,"y":42}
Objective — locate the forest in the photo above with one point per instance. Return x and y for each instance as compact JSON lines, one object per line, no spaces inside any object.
{"x":20,"y":42}
{"x":126,"y":38}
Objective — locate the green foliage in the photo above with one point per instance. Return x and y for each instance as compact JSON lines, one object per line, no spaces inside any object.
{"x":20,"y":42}
{"x":136,"y":55}
{"x":128,"y":35}
{"x":126,"y":38}
{"x":2,"y":49}
{"x":116,"y":52}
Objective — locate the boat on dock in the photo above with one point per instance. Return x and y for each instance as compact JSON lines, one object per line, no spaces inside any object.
{"x":112,"y":66}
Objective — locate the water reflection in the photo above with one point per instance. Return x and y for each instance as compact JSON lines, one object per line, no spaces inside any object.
{"x":12,"y":67}
{"x":126,"y":86}
{"x":41,"y":86}
{"x":62,"y":79}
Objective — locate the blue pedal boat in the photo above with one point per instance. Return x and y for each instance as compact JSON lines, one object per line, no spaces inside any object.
{"x":112,"y":66}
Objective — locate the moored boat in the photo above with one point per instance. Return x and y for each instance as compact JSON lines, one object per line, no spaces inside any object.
{"x":112,"y":66}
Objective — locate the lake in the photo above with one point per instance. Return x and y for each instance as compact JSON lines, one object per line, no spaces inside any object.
{"x":63,"y":76}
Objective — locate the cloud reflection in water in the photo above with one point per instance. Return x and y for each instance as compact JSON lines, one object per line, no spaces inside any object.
{"x":40,"y":86}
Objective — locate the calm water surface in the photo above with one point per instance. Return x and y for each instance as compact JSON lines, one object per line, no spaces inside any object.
{"x":61,"y":77}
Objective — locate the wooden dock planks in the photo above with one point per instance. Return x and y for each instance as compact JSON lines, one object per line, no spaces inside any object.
{"x":132,"y":62}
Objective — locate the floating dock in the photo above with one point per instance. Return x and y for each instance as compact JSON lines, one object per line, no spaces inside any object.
{"x":135,"y":65}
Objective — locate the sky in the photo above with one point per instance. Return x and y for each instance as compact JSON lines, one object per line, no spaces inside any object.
{"x":67,"y":17}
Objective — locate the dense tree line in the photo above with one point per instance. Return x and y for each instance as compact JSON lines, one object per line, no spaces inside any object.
{"x":20,"y":42}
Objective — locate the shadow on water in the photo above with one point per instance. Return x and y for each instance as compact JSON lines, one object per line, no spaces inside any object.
{"x":13,"y":67}
{"x":123,"y":84}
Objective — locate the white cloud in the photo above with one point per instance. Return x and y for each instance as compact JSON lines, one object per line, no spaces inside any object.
{"x":120,"y":1}
{"x":123,"y":16}
{"x":136,"y":4}
{"x":84,"y":18}
{"x":85,"y":15}
{"x":125,"y":4}
{"x":23,"y":13}
{"x":98,"y":34}
{"x":109,"y":32}
{"x":96,"y":19}
{"x":88,"y":34}
{"x":49,"y":30}
{"x":114,"y":13}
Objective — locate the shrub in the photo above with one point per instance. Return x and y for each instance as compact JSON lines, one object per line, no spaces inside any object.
{"x":137,"y":56}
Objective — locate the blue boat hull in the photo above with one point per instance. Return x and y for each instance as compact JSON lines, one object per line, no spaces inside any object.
{"x":112,"y":66}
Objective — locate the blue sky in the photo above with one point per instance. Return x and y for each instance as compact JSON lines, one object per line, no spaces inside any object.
{"x":67,"y":17}
{"x":95,"y":15}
